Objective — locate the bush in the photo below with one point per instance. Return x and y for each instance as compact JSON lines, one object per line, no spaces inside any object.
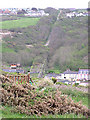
{"x":76,"y":84}
{"x":60,"y":83}
{"x":54,"y":80}
{"x":44,"y":82}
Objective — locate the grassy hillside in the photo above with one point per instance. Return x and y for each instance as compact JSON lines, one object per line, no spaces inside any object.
{"x":67,"y":48}
{"x":23,"y":22}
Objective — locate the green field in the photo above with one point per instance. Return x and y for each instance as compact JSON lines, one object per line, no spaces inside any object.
{"x":23,"y":22}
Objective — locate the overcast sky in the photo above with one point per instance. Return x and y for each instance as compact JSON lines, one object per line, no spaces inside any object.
{"x":44,"y":3}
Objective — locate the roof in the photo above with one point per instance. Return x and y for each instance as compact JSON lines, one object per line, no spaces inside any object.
{"x":70,"y":72}
{"x":52,"y":75}
{"x":14,"y":70}
{"x":84,"y":69}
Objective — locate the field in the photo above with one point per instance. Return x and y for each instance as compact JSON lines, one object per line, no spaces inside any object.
{"x":23,"y":22}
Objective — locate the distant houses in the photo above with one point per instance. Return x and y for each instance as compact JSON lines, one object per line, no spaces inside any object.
{"x":76,"y":14}
{"x":68,"y":74}
{"x":34,"y":12}
{"x":14,"y":68}
{"x":82,"y":74}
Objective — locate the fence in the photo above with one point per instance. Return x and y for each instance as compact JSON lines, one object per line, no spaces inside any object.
{"x":19,"y":78}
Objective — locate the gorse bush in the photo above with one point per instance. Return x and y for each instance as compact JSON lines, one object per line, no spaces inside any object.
{"x":44,"y":83}
{"x":60,"y":83}
{"x":26,"y":100}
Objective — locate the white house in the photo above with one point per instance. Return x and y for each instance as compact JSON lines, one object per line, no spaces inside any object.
{"x":70,"y":15}
{"x":82,"y":74}
{"x":68,"y":74}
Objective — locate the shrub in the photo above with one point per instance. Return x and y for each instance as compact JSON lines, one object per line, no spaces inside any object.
{"x":76,"y":84}
{"x":54,"y":80}
{"x":60,"y":83}
{"x":44,"y":82}
{"x":25,"y":100}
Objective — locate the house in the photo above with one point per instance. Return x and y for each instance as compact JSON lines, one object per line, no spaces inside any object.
{"x":68,"y":74}
{"x":18,"y":65}
{"x":6,"y":12}
{"x":70,"y":15}
{"x":13,"y":66}
{"x":83,"y":74}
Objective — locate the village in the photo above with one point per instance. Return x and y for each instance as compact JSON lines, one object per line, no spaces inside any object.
{"x":36,"y":81}
{"x":34,"y":12}
{"x":82,"y":76}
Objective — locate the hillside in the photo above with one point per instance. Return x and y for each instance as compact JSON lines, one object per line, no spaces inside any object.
{"x":63,"y":43}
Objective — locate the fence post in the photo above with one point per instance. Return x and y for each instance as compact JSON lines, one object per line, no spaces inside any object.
{"x":15,"y":78}
{"x":28,"y":76}
{"x":10,"y":77}
{"x":24,"y":78}
{"x":18,"y":79}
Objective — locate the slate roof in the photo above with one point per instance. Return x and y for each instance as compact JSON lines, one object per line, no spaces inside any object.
{"x":70,"y":72}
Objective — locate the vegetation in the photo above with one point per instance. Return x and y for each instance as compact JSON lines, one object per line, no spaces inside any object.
{"x":67,"y":48}
{"x":29,"y":101}
{"x":7,"y":113}
{"x":54,"y":80}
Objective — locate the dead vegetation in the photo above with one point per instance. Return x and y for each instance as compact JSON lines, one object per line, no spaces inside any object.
{"x":26,"y":99}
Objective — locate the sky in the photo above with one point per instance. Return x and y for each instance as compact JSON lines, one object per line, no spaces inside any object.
{"x":44,"y":3}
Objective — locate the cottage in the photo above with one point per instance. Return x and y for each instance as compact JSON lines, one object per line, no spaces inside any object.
{"x":13,"y":66}
{"x":68,"y":74}
{"x":82,"y":74}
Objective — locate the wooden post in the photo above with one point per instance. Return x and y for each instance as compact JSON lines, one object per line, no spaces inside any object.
{"x":18,"y":79}
{"x":10,"y":77}
{"x":21,"y":79}
{"x":24,"y":78}
{"x":15,"y":78}
{"x":28,"y":76}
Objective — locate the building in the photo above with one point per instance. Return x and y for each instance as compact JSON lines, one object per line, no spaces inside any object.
{"x":70,"y":15}
{"x":13,"y":66}
{"x":82,"y":74}
{"x":68,"y":74}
